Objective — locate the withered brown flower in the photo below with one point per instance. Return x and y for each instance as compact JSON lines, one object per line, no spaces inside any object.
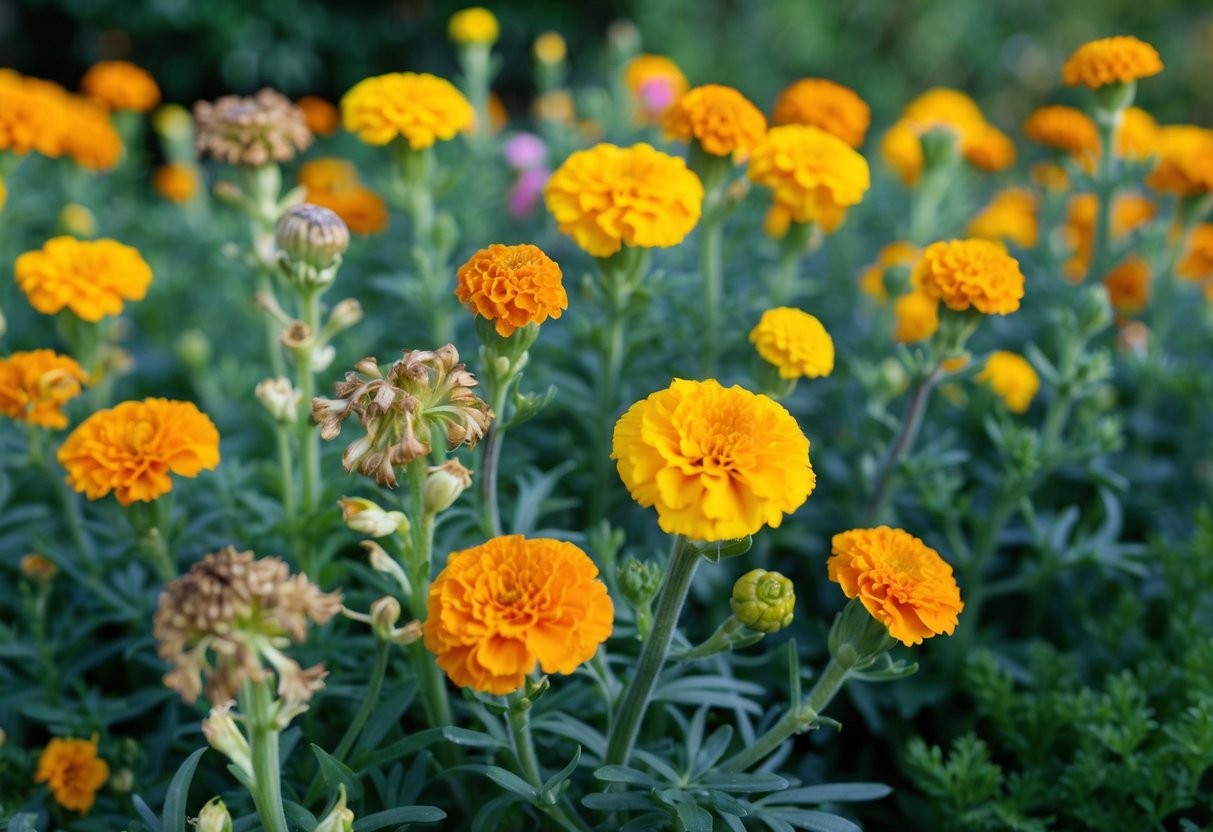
{"x":252,"y":130}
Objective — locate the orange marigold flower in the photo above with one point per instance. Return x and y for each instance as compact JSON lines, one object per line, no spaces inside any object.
{"x":91,"y":140}
{"x":820,"y":103}
{"x":795,"y":342}
{"x":943,"y":107}
{"x":419,"y":107}
{"x":73,"y":771}
{"x":976,"y":273}
{"x":815,"y":176}
{"x":902,"y":152}
{"x":361,"y":209}
{"x":655,"y":82}
{"x":121,"y":85}
{"x":512,"y":286}
{"x":1065,"y":128}
{"x":327,"y":174}
{"x":90,"y":277}
{"x":1129,"y":212}
{"x":1185,"y":161}
{"x":1011,"y":215}
{"x":1128,"y":285}
{"x":33,"y":115}
{"x":988,"y":148}
{"x":1117,"y":60}
{"x":35,"y":385}
{"x":1049,"y":176}
{"x":130,"y":449}
{"x":716,"y":462}
{"x":1137,"y":136}
{"x":320,"y":115}
{"x":896,"y":253}
{"x":499,"y":608}
{"x":1012,"y":378}
{"x":720,"y":118}
{"x":1197,"y":262}
{"x":607,"y":197}
{"x":176,"y":181}
{"x":917,"y":316}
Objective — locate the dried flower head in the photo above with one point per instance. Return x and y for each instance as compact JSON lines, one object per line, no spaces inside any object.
{"x":1128,"y":285}
{"x":971,"y":273}
{"x":820,"y":103}
{"x":38,"y":568}
{"x":656,"y":83}
{"x":121,"y":85}
{"x":252,"y":130}
{"x":73,"y":771}
{"x":35,"y":385}
{"x":1010,"y":217}
{"x":721,"y":119}
{"x":1012,"y":378}
{"x":420,"y":108}
{"x":795,"y":342}
{"x":1116,"y":60}
{"x":92,"y":278}
{"x":512,"y":286}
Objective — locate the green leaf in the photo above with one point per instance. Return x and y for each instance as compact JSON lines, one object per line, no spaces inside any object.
{"x":550,"y":790}
{"x":492,"y":813}
{"x":474,"y":739}
{"x":399,"y":815}
{"x":814,"y":821}
{"x":512,"y":783}
{"x":694,"y":817}
{"x":624,"y":774}
{"x":744,"y":783}
{"x":335,"y":773}
{"x":834,"y":793}
{"x":297,"y":816}
{"x":146,"y":814}
{"x":617,"y":801}
{"x":23,"y":822}
{"x":173,"y":819}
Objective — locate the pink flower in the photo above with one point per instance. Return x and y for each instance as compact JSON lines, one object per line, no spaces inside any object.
{"x":527,"y":190}
{"x":525,"y":151}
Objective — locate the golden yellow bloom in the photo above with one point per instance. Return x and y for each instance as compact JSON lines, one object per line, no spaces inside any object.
{"x":176,"y":181}
{"x":820,"y":103}
{"x":1065,"y":128}
{"x":1197,"y":262}
{"x":33,"y":115}
{"x":35,"y":385}
{"x":976,"y":273}
{"x":815,"y":176}
{"x":902,"y":152}
{"x":91,"y":140}
{"x":1049,"y":176}
{"x":419,"y":107}
{"x":121,"y":85}
{"x":943,"y":107}
{"x":320,"y":115}
{"x":73,"y":771}
{"x":717,"y":463}
{"x":1185,"y":161}
{"x":1012,"y":378}
{"x":720,"y":118}
{"x":655,"y":82}
{"x":917,"y":315}
{"x":1117,"y":60}
{"x":90,"y":277}
{"x":1129,"y":212}
{"x":131,"y":448}
{"x":1011,"y":215}
{"x":498,"y":609}
{"x":3,"y":194}
{"x":476,"y":25}
{"x":988,"y":148}
{"x":795,"y":342}
{"x":78,"y":221}
{"x":607,"y":197}
{"x":1137,"y":137}
{"x":896,"y":253}
{"x":550,"y":48}
{"x":1128,"y":285}
{"x":334,"y":184}
{"x":512,"y":286}
{"x":901,"y":581}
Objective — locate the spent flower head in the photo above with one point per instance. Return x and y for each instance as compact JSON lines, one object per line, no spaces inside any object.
{"x":253,"y":131}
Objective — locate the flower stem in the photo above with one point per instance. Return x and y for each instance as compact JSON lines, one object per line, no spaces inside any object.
{"x":272,"y":347}
{"x":711,"y":264}
{"x":1105,"y":187}
{"x":905,"y":440}
{"x":626,"y":724}
{"x":287,"y":476}
{"x":373,"y":688}
{"x":492,"y":457}
{"x":519,"y":719}
{"x":263,"y":744}
{"x":309,"y":435}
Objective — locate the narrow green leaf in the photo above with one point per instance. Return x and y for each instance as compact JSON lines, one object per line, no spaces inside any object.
{"x":173,"y":819}
{"x":399,"y":815}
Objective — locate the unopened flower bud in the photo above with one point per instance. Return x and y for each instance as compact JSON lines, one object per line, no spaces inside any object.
{"x":550,"y":48}
{"x":228,"y":192}
{"x":38,"y":568}
{"x":174,"y":123}
{"x":763,"y":600}
{"x":623,"y":37}
{"x":214,"y":817}
{"x":638,"y":581}
{"x":381,"y":561}
{"x":366,"y":517}
{"x":322,"y":357}
{"x":280,"y":399}
{"x":224,"y":735}
{"x":122,"y":781}
{"x":312,"y":236}
{"x":443,"y":485}
{"x":340,"y":819}
{"x":384,"y":614}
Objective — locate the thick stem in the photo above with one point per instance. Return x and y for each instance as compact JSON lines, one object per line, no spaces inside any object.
{"x":492,"y":457}
{"x":608,"y":387}
{"x":1105,"y":187}
{"x":309,"y":434}
{"x":519,"y":719}
{"x":711,"y":265}
{"x":904,"y":442}
{"x":263,"y":743}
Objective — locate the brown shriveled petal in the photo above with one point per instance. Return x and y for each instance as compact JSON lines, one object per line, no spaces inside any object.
{"x":251,"y":131}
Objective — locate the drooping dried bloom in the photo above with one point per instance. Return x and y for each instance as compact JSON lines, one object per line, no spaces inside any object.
{"x":418,"y":107}
{"x":1065,"y":128}
{"x":73,"y":771}
{"x":131,"y":449}
{"x":971,"y":273}
{"x":917,"y":316}
{"x":717,"y":463}
{"x":897,"y":253}
{"x":815,"y":176}
{"x":512,"y":286}
{"x":232,"y":615}
{"x":989,"y":149}
{"x":475,"y":25}
{"x":656,"y":83}
{"x":1128,"y":285}
{"x":252,"y":130}
{"x":902,"y":152}
{"x":763,"y":601}
{"x":176,"y":181}
{"x":33,"y":115}
{"x":499,"y":608}
{"x":900,"y":580}
{"x":320,"y":115}
{"x":1197,"y":261}
{"x":1012,"y":378}
{"x":721,"y":119}
{"x":795,"y":342}
{"x":1130,"y":211}
{"x":1116,"y":60}
{"x":836,"y":109}
{"x":92,"y":278}
{"x":422,"y":391}
{"x":121,"y":85}
{"x":1185,"y":161}
{"x":608,"y":197}
{"x":1010,"y":216}
{"x":1137,"y":136}
{"x":35,"y":385}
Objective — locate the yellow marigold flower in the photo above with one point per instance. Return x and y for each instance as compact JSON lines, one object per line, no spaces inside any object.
{"x":716,"y":462}
{"x":421,"y":108}
{"x":90,"y":277}
{"x":820,"y":103}
{"x":1012,"y":378}
{"x":33,"y":115}
{"x":130,"y":449}
{"x":1051,"y":177}
{"x":475,"y":25}
{"x":897,"y":253}
{"x":1065,"y":128}
{"x":1129,"y":212}
{"x":607,"y":197}
{"x":499,"y":608}
{"x":942,"y":107}
{"x":1197,"y":262}
{"x":1128,"y":285}
{"x":976,"y":273}
{"x":550,"y":48}
{"x":917,"y":315}
{"x":720,"y":118}
{"x":900,"y":580}
{"x":655,"y":82}
{"x":1117,"y":60}
{"x":176,"y":181}
{"x":815,"y":176}
{"x":91,"y":140}
{"x":1137,"y":136}
{"x":795,"y":342}
{"x":902,"y":152}
{"x":3,"y":194}
{"x":512,"y":286}
{"x":1185,"y":161}
{"x":35,"y":385}
{"x":73,"y":771}
{"x":121,"y":85}
{"x":988,"y":148}
{"x":1011,"y":215}
{"x":320,"y":115}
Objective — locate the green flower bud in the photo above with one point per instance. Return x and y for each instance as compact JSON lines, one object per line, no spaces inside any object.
{"x":312,"y":240}
{"x":224,"y":735}
{"x":857,"y":638}
{"x":384,"y":614}
{"x":638,"y":581}
{"x":443,"y":485}
{"x":763,"y":600}
{"x":340,"y":819}
{"x":214,"y":817}
{"x":366,"y":517}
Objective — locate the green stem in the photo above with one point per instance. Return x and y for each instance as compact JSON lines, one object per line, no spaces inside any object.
{"x":626,"y":725}
{"x":925,"y":202}
{"x":373,"y":688}
{"x":786,"y":271}
{"x":263,"y":743}
{"x":287,"y":476}
{"x":272,"y":347}
{"x":1105,"y":188}
{"x":711,"y":264}
{"x":983,"y":549}
{"x":608,"y":392}
{"x":523,"y":743}
{"x":417,"y":562}
{"x":904,"y":442}
{"x":492,"y":457}
{"x":309,"y":434}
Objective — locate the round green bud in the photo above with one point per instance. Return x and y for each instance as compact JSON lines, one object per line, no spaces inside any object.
{"x":638,"y":581}
{"x":763,"y":600}
{"x":313,"y":236}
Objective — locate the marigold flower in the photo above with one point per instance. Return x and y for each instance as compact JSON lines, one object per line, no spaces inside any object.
{"x":3,"y":194}
{"x":1011,"y":215}
{"x":1065,"y":128}
{"x":1137,"y":136}
{"x":512,"y":286}
{"x":976,"y":273}
{"x":815,"y":176}
{"x":1197,"y":261}
{"x":655,"y":82}
{"x":121,"y":85}
{"x":550,"y":48}
{"x":1012,"y":378}
{"x":1130,"y":211}
{"x":499,"y":608}
{"x":1050,"y":177}
{"x":943,"y":107}
{"x":820,"y":103}
{"x":917,"y":316}
{"x":1185,"y":161}
{"x":176,"y":181}
{"x":334,"y":184}
{"x":35,"y":385}
{"x":418,"y":107}
{"x":251,"y":131}
{"x":902,"y":152}
{"x":896,"y":253}
{"x":131,"y":448}
{"x":73,"y":771}
{"x":716,"y":462}
{"x":91,"y":140}
{"x":38,"y":568}
{"x":900,"y":580}
{"x":795,"y":342}
{"x":554,"y":105}
{"x":475,"y":25}
{"x":320,"y":115}
{"x":607,"y":197}
{"x":1116,"y":60}
{"x":763,"y":601}
{"x":90,"y":277}
{"x":1128,"y":285}
{"x":33,"y":115}
{"x":720,"y":118}
{"x":988,"y":148}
